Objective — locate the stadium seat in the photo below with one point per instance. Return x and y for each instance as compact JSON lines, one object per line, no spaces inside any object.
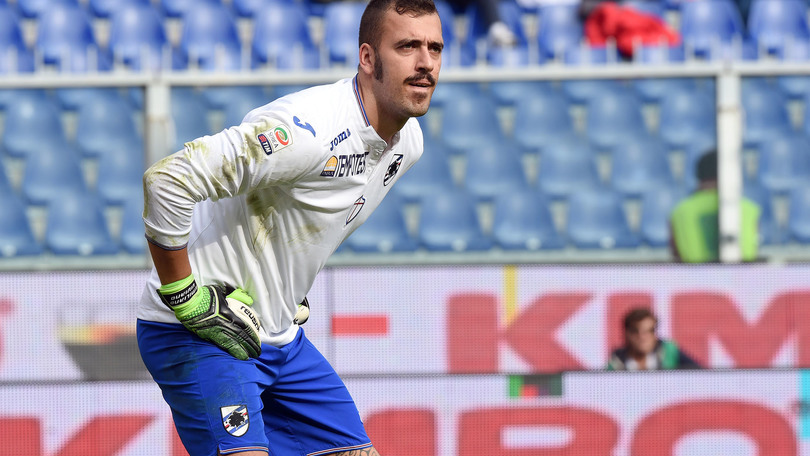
{"x":477,"y":34}
{"x":707,"y":25}
{"x":16,"y":237}
{"x":138,"y":39}
{"x":189,"y":116}
{"x":493,"y":169}
{"x":566,"y":166}
{"x":341,"y":22}
{"x":429,"y":176}
{"x":799,"y":214}
{"x":612,"y":116}
{"x":454,"y":54}
{"x":639,"y":164}
{"x":106,"y":8}
{"x":581,"y":91}
{"x":30,"y":115}
{"x":523,"y":222}
{"x":14,"y":55}
{"x":65,"y":39}
{"x":559,"y":28}
{"x":656,"y":207}
{"x":784,"y":163}
{"x":765,"y":113}
{"x":774,"y":24}
{"x":508,"y":93}
{"x":539,"y":117}
{"x":102,"y":122}
{"x":449,"y":222}
{"x":242,"y":100}
{"x":77,"y":226}
{"x":686,"y":113}
{"x":469,"y":122}
{"x":248,"y":8}
{"x":210,"y":41}
{"x":177,"y":8}
{"x":120,"y":171}
{"x":54,"y":170}
{"x":450,"y":91}
{"x":653,"y":7}
{"x":596,"y":220}
{"x":384,"y":231}
{"x":281,"y":38}
{"x":769,"y":230}
{"x":652,"y":90}
{"x":32,"y":9}
{"x":132,"y":237}
{"x":72,"y":98}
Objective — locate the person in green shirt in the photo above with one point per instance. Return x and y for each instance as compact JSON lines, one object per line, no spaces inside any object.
{"x":694,"y":230}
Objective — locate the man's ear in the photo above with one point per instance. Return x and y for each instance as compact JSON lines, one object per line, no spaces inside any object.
{"x":367,"y":57}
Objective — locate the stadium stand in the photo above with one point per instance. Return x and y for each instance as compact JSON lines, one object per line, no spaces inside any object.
{"x":16,"y":237}
{"x":449,"y":222}
{"x":596,"y":220}
{"x":523,"y":221}
{"x":77,"y":226}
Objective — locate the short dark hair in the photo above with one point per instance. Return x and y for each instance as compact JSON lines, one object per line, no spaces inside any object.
{"x":371,"y":22}
{"x":636,"y":315}
{"x":706,"y":169}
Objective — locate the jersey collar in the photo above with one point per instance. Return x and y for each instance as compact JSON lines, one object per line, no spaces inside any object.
{"x":368,"y":133}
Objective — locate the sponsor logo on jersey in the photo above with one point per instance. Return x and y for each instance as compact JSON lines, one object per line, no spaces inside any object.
{"x":356,"y":208}
{"x":343,"y":135}
{"x":274,"y":141}
{"x":393,"y":169}
{"x":330,"y":167}
{"x":268,"y":149}
{"x":235,"y":419}
{"x":304,"y":125}
{"x":345,"y":165}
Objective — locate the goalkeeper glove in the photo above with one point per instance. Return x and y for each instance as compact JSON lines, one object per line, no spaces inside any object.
{"x":216,"y":313}
{"x":302,"y":315}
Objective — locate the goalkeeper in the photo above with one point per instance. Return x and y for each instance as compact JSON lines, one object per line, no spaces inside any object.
{"x":240,"y":223}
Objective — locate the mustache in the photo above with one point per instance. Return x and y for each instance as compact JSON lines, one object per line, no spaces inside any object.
{"x":422,"y":77}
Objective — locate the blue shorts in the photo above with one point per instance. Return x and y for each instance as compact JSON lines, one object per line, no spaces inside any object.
{"x":289,"y":401}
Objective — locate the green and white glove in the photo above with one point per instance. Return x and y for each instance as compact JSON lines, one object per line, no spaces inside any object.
{"x":216,"y":313}
{"x":302,"y":314}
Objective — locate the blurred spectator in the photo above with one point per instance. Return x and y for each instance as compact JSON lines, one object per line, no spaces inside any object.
{"x":498,"y":32}
{"x":694,"y":227}
{"x":627,"y":26}
{"x":643,"y":350}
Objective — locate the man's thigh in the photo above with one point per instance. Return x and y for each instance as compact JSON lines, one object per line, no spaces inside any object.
{"x":215,"y":398}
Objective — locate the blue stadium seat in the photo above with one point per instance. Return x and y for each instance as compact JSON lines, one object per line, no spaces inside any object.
{"x":30,"y":115}
{"x":477,"y":32}
{"x":774,"y":24}
{"x":612,"y":116}
{"x":559,"y":28}
{"x":799,"y":214}
{"x":384,"y":231}
{"x":709,"y":24}
{"x":452,"y":91}
{"x":765,"y":113}
{"x":52,"y":171}
{"x":132,"y":237}
{"x":220,"y":97}
{"x":493,"y":169}
{"x":72,"y":98}
{"x":540,"y":117}
{"x":5,"y":184}
{"x":566,"y":166}
{"x":102,"y":122}
{"x":210,"y":40}
{"x":120,"y":171}
{"x":508,"y":93}
{"x":77,"y":226}
{"x":248,"y":8}
{"x":596,"y":220}
{"x":656,"y":207}
{"x":687,"y":113}
{"x":523,"y":222}
{"x":652,"y":90}
{"x":189,"y":116}
{"x":242,"y":100}
{"x":639,"y":165}
{"x":581,"y":91}
{"x":177,"y":8}
{"x":65,"y":39}
{"x":32,"y":9}
{"x":106,"y":8}
{"x":653,"y":7}
{"x":429,"y":176}
{"x":14,"y":55}
{"x":281,"y":38}
{"x":138,"y":39}
{"x":455,"y":54}
{"x":469,"y":122}
{"x":449,"y":222}
{"x":784,"y":163}
{"x":341,"y":22}
{"x":16,"y":237}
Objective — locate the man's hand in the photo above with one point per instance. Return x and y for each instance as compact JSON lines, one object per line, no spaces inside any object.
{"x":216,"y":313}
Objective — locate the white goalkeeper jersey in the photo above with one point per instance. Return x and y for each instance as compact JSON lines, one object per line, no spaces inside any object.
{"x":264,"y":204}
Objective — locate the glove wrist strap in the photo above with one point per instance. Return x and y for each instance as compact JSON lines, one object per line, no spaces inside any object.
{"x":178,"y":293}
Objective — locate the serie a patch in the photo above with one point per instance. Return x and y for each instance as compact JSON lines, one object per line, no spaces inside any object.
{"x":275,"y":140}
{"x":235,"y":419}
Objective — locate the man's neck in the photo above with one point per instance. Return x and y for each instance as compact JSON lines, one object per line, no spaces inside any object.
{"x":382,"y":124}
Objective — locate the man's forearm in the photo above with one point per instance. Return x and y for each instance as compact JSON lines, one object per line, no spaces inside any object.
{"x":171,"y":265}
